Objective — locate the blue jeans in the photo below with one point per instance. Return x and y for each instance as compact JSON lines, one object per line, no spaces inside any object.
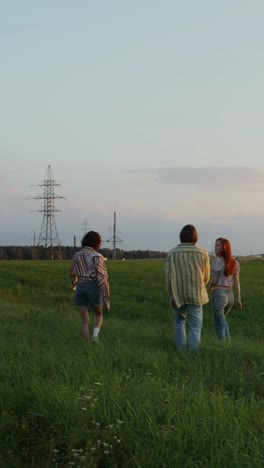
{"x":194,"y":315}
{"x":223,"y":301}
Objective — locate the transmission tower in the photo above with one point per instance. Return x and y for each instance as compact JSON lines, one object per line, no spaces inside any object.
{"x":114,"y":239}
{"x":48,"y":233}
{"x":85,"y":227}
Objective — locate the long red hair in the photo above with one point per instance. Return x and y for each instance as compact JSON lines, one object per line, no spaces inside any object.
{"x":230,"y":263}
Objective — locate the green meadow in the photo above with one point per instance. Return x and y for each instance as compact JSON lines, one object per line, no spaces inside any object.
{"x":131,"y":400}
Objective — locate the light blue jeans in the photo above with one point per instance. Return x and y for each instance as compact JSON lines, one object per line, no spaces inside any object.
{"x":194,"y":316}
{"x":223,"y":301}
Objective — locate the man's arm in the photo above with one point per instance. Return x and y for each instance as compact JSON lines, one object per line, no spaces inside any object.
{"x":207,"y":270}
{"x":167,"y":276}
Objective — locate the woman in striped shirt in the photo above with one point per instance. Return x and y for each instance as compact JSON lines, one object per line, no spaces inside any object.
{"x":88,"y":273}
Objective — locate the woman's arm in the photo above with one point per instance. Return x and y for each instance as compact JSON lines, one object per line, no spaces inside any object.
{"x":213,"y":282}
{"x":102,"y":281}
{"x":73,"y":275}
{"x":238,"y":292}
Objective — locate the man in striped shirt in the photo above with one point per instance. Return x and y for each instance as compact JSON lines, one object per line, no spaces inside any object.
{"x":187,"y":274}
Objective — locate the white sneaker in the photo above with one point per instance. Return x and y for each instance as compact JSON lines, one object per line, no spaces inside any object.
{"x":95,"y":339}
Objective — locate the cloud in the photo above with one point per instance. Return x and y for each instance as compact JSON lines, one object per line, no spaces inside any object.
{"x":227,"y":177}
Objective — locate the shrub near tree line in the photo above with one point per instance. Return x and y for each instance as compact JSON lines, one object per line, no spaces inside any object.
{"x":42,"y":253}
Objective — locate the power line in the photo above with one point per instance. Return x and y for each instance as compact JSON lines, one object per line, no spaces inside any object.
{"x":114,"y":239}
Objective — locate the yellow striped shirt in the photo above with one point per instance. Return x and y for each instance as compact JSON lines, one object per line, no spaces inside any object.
{"x":187,"y":274}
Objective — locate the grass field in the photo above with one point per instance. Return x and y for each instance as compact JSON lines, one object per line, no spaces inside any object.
{"x":132,"y":400}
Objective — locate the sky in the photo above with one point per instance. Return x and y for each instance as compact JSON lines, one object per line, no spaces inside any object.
{"x":150,"y":109}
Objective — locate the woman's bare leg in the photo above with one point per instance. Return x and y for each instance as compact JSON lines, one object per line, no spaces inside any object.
{"x":85,"y":322}
{"x":98,"y":320}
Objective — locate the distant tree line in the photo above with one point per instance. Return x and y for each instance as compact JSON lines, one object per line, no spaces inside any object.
{"x":12,"y":252}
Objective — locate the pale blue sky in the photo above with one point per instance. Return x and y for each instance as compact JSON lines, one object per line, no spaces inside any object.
{"x":152,"y":109}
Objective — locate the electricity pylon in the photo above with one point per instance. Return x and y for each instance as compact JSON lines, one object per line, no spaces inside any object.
{"x":48,"y":233}
{"x":114,"y":239}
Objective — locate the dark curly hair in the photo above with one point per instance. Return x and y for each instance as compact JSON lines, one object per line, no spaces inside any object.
{"x":92,"y":239}
{"x":189,"y":234}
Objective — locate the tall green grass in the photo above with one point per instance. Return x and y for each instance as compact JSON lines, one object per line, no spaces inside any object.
{"x":131,"y":401}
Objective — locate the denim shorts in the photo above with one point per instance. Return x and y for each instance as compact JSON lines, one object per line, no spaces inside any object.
{"x":87,"y":294}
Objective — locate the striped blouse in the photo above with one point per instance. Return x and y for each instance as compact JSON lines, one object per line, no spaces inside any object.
{"x":89,"y":265}
{"x":218,"y":269}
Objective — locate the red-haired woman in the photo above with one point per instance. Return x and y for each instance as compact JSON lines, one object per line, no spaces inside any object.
{"x":225,"y":274}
